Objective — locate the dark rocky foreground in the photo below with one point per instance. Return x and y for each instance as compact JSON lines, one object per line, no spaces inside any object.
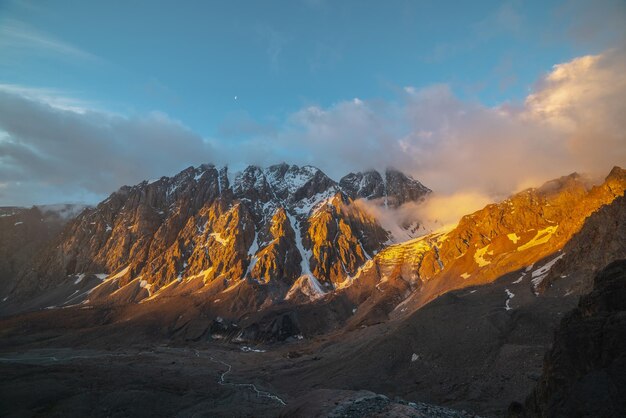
{"x":584,"y":374}
{"x":464,"y":351}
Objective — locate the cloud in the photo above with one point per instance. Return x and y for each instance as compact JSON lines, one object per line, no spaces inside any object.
{"x":438,"y":212}
{"x":572,"y":120}
{"x":49,"y":153}
{"x":21,"y":38}
{"x":52,"y":97}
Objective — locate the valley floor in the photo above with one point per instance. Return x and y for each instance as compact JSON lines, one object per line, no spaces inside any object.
{"x":465,"y":351}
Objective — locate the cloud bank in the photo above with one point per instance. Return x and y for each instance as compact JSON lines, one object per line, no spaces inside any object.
{"x":572,"y":120}
{"x":52,"y":152}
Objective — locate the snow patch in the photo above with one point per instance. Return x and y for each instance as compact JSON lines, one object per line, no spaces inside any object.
{"x":247,"y":349}
{"x":541,"y":273}
{"x":80,"y":278}
{"x":18,"y":223}
{"x":414,"y":358}
{"x":520,"y":279}
{"x":541,"y":237}
{"x":304,"y":254}
{"x":513,"y":237}
{"x":510,"y":295}
{"x":120,"y":273}
{"x":308,"y":285}
{"x":479,"y":256}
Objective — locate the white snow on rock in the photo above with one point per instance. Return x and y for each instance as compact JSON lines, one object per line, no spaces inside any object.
{"x":305,"y":255}
{"x":414,"y":358}
{"x":247,"y":349}
{"x":293,"y":179}
{"x":520,"y":279}
{"x":18,"y":223}
{"x":541,"y":273}
{"x":80,"y":278}
{"x":479,"y":256}
{"x":513,"y":237}
{"x":541,"y":237}
{"x":307,"y":285}
{"x":510,"y":295}
{"x":120,"y":273}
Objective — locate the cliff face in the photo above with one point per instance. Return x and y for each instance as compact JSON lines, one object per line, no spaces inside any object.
{"x":584,"y":373}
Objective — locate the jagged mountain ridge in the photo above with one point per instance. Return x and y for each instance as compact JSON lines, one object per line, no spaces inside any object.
{"x":394,"y":189}
{"x":248,"y":230}
{"x":200,"y":229}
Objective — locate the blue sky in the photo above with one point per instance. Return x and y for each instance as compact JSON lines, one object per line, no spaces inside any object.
{"x":190,"y":59}
{"x":233,"y":71}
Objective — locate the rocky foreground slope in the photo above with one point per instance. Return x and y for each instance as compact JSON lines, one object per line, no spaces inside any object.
{"x":584,"y":373}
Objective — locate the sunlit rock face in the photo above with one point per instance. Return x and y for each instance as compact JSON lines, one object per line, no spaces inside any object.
{"x":528,"y":227}
{"x":289,"y":234}
{"x":204,"y":230}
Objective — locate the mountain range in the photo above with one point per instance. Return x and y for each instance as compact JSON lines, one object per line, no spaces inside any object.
{"x":288,"y":258}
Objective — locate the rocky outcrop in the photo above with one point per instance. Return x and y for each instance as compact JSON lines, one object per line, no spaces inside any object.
{"x":584,"y":373}
{"x":600,"y":241}
{"x":395,"y":189}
